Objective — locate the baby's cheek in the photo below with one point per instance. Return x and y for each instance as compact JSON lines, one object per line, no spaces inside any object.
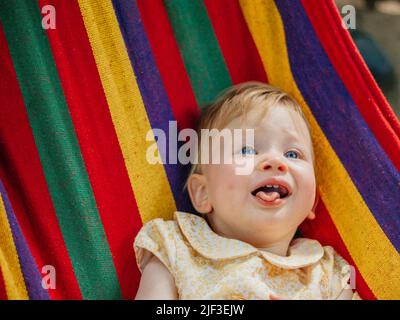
{"x":309,"y":192}
{"x":230,"y":185}
{"x":234,"y":182}
{"x":305,"y":181}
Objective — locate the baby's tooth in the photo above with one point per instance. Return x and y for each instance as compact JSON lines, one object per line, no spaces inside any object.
{"x":269,"y":185}
{"x":276,"y":186}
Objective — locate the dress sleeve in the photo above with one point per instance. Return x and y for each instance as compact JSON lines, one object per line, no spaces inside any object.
{"x":340,"y":274}
{"x":343,"y":275}
{"x":157,"y":237}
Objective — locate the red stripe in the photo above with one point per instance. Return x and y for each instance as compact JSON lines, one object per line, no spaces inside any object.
{"x":97,"y":139}
{"x":24,"y":180}
{"x":236,"y":43}
{"x":330,"y":237}
{"x":169,"y":62}
{"x":355,"y":75}
{"x":3,"y":294}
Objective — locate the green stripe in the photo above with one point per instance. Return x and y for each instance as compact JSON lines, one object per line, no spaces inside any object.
{"x":199,"y":48}
{"x":59,"y":152}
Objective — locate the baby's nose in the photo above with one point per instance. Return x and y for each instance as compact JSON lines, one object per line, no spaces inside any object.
{"x":273,"y":164}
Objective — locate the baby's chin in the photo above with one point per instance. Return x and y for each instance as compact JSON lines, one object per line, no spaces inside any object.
{"x":276,"y":217}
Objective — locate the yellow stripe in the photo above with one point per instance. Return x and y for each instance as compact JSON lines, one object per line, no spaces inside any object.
{"x":374,"y":255}
{"x":9,"y":262}
{"x":149,"y":182}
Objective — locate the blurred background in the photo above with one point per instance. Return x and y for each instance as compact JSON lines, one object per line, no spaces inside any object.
{"x":377,"y":36}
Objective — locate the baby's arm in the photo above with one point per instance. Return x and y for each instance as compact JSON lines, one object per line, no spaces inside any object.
{"x":156,"y":283}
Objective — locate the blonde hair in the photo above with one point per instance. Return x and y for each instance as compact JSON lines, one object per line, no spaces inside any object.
{"x":237,"y":101}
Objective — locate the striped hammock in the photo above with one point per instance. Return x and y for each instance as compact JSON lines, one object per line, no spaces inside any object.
{"x":77,"y":101}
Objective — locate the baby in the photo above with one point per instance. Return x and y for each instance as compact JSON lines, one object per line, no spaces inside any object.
{"x":240,"y":245}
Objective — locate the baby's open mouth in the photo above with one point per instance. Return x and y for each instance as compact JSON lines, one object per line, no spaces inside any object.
{"x":271,"y":192}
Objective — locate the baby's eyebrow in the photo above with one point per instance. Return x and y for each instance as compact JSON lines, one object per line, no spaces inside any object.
{"x":297,"y":141}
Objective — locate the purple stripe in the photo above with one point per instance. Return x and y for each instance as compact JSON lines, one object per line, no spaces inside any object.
{"x":372,"y":172}
{"x":151,"y":88}
{"x":32,"y":276}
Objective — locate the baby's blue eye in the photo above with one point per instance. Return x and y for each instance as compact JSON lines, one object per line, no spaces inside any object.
{"x":292,"y":154}
{"x":248,"y":150}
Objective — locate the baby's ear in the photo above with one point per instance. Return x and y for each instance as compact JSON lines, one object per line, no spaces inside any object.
{"x":311,"y":215}
{"x":197,"y":188}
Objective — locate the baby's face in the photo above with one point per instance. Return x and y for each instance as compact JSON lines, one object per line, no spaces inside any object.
{"x":249,"y":207}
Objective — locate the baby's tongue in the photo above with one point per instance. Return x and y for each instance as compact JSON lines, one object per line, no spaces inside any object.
{"x":268,"y":196}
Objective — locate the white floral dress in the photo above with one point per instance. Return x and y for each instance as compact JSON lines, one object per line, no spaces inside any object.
{"x":208,"y":266}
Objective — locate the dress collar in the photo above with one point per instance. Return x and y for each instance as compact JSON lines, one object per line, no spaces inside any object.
{"x":302,"y":252}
